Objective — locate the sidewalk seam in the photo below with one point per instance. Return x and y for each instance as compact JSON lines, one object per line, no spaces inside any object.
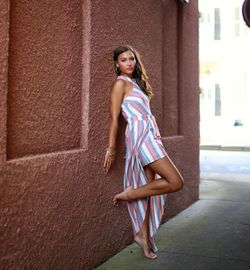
{"x":203,"y":256}
{"x":224,"y":200}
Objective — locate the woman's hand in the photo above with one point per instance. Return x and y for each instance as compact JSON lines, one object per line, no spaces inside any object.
{"x":109,"y":158}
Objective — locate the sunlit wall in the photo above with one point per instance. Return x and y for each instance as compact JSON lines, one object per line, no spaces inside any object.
{"x":224,"y":73}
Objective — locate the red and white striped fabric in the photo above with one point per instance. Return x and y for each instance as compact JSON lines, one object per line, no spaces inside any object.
{"x":143,"y":146}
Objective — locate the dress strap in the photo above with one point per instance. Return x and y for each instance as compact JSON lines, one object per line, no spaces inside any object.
{"x":125,"y":78}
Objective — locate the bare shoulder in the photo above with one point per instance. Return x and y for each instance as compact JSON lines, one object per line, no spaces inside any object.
{"x":119,"y":86}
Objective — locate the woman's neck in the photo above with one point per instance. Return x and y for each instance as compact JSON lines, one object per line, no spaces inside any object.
{"x":127,"y":75}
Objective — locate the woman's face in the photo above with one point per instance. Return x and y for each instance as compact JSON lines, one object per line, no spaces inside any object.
{"x":126,"y":62}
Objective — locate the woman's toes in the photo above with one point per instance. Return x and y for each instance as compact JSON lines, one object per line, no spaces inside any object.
{"x":145,"y":246}
{"x":153,"y":256}
{"x":115,"y":203}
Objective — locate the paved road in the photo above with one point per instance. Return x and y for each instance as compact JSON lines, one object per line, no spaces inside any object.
{"x":211,"y":234}
{"x":212,"y":161}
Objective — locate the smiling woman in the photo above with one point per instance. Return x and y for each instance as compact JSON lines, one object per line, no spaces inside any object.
{"x":145,"y":154}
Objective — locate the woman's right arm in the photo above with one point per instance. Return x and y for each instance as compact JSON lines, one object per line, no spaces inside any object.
{"x":117,"y":94}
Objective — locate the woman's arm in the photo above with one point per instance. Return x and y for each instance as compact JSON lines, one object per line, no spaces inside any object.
{"x":117,"y":94}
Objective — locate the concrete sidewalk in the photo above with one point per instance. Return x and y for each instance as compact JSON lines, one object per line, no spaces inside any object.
{"x":213,"y":233}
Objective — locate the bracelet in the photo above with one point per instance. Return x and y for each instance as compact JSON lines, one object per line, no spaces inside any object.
{"x":110,"y":151}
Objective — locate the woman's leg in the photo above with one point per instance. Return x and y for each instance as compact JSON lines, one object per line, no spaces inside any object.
{"x":171,"y":181}
{"x":143,"y":237}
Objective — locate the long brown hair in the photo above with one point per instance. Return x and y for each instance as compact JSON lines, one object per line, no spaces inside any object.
{"x":139,"y":73}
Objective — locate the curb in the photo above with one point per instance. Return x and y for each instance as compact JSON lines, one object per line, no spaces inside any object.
{"x":225,"y":148}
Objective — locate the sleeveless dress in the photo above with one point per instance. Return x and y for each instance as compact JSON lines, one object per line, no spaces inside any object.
{"x":143,"y":146}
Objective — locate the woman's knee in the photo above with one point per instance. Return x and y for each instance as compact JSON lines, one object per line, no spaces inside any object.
{"x":180,"y":183}
{"x":176,"y":183}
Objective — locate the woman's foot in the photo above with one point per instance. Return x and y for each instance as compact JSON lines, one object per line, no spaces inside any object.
{"x":144,"y":245}
{"x":123,"y":196}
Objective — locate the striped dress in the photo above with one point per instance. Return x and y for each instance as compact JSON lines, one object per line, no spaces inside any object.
{"x":143,"y":146}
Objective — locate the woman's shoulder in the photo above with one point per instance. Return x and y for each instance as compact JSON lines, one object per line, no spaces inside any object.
{"x":118,"y":87}
{"x":119,"y":83}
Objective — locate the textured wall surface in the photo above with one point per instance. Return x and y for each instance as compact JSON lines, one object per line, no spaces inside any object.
{"x":56,"y":71}
{"x":44,"y":93}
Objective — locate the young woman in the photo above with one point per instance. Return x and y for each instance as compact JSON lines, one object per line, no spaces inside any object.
{"x":145,"y":154}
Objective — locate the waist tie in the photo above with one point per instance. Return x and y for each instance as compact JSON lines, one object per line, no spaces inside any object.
{"x":149,"y":118}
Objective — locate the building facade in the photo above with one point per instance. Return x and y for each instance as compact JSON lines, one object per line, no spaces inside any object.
{"x":56,"y":72}
{"x":224,"y":73}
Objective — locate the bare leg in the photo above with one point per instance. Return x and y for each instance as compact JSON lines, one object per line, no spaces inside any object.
{"x":171,"y":181}
{"x":143,"y":237}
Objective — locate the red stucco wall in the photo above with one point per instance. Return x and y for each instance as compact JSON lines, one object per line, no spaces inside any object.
{"x":55,"y":75}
